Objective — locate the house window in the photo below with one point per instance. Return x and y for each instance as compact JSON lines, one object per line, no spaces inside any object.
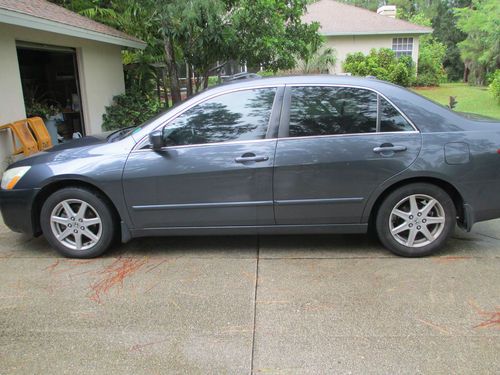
{"x":402,"y":46}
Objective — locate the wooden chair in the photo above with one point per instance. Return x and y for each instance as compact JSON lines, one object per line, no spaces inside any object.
{"x":42,"y":135}
{"x":20,"y":131}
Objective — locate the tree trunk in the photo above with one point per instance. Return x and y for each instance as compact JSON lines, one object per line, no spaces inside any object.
{"x":189,"y":80}
{"x":173,"y":72}
{"x":206,"y":74}
{"x":165,"y":88}
{"x":158,"y":87}
{"x":197,"y":81}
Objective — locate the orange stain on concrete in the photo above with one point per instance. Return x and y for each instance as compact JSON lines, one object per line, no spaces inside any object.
{"x":114,"y":275}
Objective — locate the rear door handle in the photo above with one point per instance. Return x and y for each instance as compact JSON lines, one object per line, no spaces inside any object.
{"x":251,"y":157}
{"x":381,"y":149}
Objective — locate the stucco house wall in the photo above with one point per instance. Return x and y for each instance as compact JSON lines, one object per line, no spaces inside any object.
{"x":346,"y":44}
{"x":11,"y":94}
{"x":100,"y":73}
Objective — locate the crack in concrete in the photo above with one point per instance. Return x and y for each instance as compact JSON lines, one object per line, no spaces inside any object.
{"x":255,"y":305}
{"x":488,"y":236}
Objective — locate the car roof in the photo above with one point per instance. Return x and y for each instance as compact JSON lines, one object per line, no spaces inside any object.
{"x":306,"y":79}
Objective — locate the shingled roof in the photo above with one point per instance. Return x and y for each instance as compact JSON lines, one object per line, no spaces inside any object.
{"x":341,"y":19}
{"x":41,"y":14}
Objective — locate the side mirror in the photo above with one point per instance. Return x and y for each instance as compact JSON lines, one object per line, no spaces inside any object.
{"x":156,"y":140}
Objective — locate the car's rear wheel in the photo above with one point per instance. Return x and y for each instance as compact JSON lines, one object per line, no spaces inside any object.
{"x":416,"y":220}
{"x":77,"y":222}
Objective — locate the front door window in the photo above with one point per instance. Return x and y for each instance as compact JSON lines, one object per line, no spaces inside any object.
{"x":237,"y":116}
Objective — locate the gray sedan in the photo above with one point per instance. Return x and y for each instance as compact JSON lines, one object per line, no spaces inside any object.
{"x":314,"y":154}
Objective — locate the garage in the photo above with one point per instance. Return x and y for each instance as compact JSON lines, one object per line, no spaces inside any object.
{"x":57,"y":58}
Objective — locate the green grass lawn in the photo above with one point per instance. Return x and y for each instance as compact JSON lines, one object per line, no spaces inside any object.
{"x":471,"y":99}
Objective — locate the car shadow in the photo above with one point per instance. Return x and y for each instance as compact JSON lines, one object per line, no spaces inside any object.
{"x":461,"y":244}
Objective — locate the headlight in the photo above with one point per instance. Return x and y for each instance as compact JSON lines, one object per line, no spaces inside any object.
{"x":12,"y":176}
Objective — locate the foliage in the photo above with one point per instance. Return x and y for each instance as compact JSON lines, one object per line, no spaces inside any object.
{"x":472,"y":99}
{"x":318,"y":62}
{"x":405,"y":8}
{"x":367,"y":4}
{"x":430,"y":70}
{"x":271,"y":33}
{"x":213,"y":80}
{"x":203,"y":34}
{"x":79,"y":5}
{"x":42,"y":109}
{"x":444,"y":24}
{"x":266,"y":73}
{"x":195,"y":33}
{"x":481,"y":49}
{"x":39,"y":103}
{"x":381,"y":64}
{"x":403,"y":72}
{"x":129,"y":109}
{"x":420,"y":19}
{"x":495,"y":85}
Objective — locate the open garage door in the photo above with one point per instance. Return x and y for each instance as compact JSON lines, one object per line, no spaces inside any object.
{"x":51,"y":90}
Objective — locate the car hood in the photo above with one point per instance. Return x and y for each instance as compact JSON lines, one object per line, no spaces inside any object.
{"x":85,"y":147}
{"x":80,"y":142}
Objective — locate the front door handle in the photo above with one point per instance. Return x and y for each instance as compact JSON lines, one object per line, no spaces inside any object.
{"x":389,"y":148}
{"x":251,"y":157}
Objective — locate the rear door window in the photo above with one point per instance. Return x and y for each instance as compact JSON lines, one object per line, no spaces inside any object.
{"x":391,"y":120}
{"x":321,"y":110}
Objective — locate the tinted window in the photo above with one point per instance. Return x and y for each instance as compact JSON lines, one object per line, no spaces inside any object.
{"x":236,"y":116}
{"x":332,"y":110}
{"x":390,"y":118}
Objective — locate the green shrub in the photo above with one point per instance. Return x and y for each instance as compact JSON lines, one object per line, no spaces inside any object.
{"x":495,"y":85}
{"x":129,"y":109}
{"x":400,"y":75}
{"x":382,"y":64}
{"x":430,"y":62}
{"x":266,"y":73}
{"x":213,"y":81}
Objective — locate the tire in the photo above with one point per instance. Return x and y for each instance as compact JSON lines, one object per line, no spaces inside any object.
{"x":81,"y":218}
{"x":416,"y":220}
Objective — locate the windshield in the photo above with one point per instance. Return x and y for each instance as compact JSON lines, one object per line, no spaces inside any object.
{"x":129,"y":130}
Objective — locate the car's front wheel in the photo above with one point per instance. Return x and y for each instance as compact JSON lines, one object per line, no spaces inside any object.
{"x":416,"y":220}
{"x":77,"y":222}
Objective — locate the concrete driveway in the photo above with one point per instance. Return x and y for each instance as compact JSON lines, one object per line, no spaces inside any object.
{"x":237,"y":305}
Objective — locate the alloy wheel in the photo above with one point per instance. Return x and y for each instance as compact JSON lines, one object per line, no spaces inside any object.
{"x":417,"y":220}
{"x":76,"y":224}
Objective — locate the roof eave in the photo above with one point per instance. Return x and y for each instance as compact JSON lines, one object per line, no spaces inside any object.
{"x":26,"y":20}
{"x":395,"y":32}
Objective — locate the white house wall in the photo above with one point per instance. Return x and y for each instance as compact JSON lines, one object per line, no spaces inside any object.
{"x":101,"y":78}
{"x":100,"y":72}
{"x":363,"y":43}
{"x":11,"y":93}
